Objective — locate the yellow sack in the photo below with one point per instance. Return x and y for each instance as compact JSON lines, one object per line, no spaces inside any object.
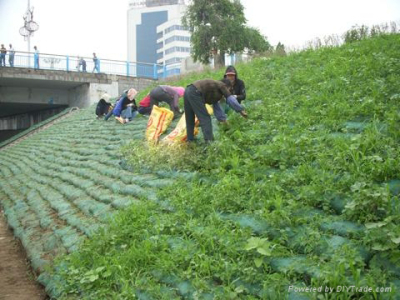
{"x":179,"y":135}
{"x":159,"y":121}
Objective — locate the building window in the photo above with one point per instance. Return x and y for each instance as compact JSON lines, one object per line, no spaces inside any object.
{"x":177,"y":38}
{"x":173,"y":60}
{"x":160,"y":45}
{"x":160,"y":55}
{"x":160,"y":35}
{"x":177,"y":49}
{"x":175,"y":27}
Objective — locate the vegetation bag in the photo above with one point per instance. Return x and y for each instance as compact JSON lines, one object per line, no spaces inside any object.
{"x":159,"y":121}
{"x":179,"y":134}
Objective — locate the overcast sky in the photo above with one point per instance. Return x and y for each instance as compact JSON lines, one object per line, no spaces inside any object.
{"x":81,"y":27}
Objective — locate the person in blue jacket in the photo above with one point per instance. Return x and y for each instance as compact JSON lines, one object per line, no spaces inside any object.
{"x":125,"y":109}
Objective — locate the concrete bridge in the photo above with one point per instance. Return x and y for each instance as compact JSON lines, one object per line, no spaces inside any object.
{"x":26,"y":92}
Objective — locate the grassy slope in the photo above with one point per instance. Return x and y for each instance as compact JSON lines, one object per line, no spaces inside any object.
{"x":61,"y":184}
{"x":303,"y":193}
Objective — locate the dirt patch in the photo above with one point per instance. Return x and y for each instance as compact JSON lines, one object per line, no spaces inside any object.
{"x":17,"y":281}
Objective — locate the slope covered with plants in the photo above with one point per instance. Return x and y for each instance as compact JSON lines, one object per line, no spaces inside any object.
{"x":302,"y":194}
{"x":61,"y":184}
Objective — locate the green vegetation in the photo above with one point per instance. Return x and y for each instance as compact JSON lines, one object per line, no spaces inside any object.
{"x":305,"y":193}
{"x":219,"y":27}
{"x":65,"y":182}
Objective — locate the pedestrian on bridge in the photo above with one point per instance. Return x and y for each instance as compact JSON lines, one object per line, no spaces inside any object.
{"x":3,"y":52}
{"x":82,"y":63}
{"x":36,"y":58}
{"x":96,"y":63}
{"x":11,"y":54}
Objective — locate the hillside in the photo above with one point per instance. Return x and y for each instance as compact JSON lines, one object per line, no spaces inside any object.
{"x":302,"y":194}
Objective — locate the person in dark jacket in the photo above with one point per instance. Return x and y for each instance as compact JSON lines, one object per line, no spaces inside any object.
{"x":207,"y":91}
{"x":238,"y":89}
{"x":82,"y":62}
{"x":103,"y":106}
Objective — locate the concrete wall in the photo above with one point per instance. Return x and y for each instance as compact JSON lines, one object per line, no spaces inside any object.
{"x":18,"y":85}
{"x":79,"y":96}
{"x":34,"y":95}
{"x":188,"y":65}
{"x":139,"y":84}
{"x":96,"y":90}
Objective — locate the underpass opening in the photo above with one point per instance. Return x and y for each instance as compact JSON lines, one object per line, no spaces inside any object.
{"x":17,"y":117}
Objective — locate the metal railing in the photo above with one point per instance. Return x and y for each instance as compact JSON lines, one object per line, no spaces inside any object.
{"x":68,"y":63}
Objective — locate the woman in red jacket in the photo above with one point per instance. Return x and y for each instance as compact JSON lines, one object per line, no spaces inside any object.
{"x":144,"y":106}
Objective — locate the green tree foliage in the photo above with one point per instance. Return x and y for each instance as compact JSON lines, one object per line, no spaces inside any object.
{"x":255,"y":42}
{"x":358,"y":33}
{"x":280,"y":49}
{"x":219,"y":27}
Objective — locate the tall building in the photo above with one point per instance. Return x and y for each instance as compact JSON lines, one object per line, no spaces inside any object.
{"x":155,"y":33}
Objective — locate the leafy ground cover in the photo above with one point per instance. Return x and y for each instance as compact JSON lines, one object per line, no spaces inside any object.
{"x":302,"y":194}
{"x":62,"y":184}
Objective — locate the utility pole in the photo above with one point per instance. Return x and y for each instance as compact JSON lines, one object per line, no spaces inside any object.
{"x":29,"y":36}
{"x":28,"y":29}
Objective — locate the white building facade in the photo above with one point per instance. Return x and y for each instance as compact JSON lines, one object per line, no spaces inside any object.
{"x":155,"y":34}
{"x":173,"y":45}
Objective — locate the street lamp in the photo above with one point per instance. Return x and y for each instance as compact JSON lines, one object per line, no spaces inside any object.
{"x":29,"y":28}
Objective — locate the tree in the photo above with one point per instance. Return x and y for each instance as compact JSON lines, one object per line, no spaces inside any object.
{"x":280,"y":49}
{"x":219,"y":27}
{"x":255,"y":41}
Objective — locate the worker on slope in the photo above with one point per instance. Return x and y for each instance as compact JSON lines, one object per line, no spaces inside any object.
{"x":207,"y":91}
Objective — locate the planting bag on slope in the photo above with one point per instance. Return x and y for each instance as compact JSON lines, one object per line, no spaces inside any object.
{"x":179,"y":134}
{"x":159,"y":121}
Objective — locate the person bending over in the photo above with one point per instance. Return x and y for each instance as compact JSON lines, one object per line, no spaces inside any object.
{"x":168,"y":94}
{"x":207,"y":91}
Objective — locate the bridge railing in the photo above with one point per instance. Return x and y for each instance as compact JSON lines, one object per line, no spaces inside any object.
{"x":48,"y":61}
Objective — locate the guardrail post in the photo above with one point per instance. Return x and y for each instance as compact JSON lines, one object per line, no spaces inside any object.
{"x":67,"y":63}
{"x":155,"y":71}
{"x":164,"y":71}
{"x":127,"y":68}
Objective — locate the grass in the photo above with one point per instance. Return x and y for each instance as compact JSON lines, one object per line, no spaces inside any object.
{"x":301,"y":194}
{"x":297,"y":195}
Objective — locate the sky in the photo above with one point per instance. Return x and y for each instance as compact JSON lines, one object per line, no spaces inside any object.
{"x":81,"y":27}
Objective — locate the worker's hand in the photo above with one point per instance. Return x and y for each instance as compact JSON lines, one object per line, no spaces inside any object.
{"x":243,"y":113}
